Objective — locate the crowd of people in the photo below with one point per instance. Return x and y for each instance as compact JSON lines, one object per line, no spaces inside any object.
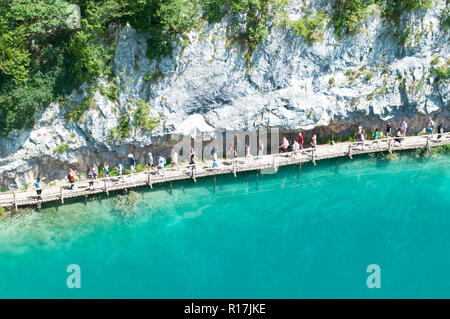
{"x":286,"y":146}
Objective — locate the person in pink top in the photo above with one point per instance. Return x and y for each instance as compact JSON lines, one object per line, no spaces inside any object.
{"x":284,"y":145}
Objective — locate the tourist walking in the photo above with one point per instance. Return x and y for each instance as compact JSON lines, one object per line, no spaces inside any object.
{"x":376,"y":134}
{"x":94,"y":170}
{"x":71,"y":178}
{"x":260,"y":149}
{"x":360,"y":136}
{"x":132,"y":163}
{"x":313,"y":141}
{"x":284,"y":145}
{"x":234,"y":152}
{"x":376,"y":137}
{"x":149,"y":161}
{"x":175,"y":160}
{"x":91,"y":179}
{"x":398,"y":135}
{"x":192,"y":163}
{"x":192,"y":157}
{"x":295,"y":148}
{"x":214,"y":158}
{"x":119,"y":169}
{"x":440,"y":130}
{"x":247,"y":151}
{"x":430,"y":126}
{"x":106,"y":170}
{"x":38,"y":186}
{"x":404,"y":127}
{"x":300,"y":139}
{"x":161,"y":164}
{"x":388,"y":129}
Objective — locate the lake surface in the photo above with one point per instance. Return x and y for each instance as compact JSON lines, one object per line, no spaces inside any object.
{"x":300,"y":233}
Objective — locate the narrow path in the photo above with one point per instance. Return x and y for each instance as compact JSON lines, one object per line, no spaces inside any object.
{"x":105,"y":185}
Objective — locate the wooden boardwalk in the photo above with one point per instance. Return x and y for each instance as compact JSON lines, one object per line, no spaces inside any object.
{"x":271,"y":162}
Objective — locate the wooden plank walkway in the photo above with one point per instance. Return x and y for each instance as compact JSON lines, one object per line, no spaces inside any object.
{"x":106,"y":185}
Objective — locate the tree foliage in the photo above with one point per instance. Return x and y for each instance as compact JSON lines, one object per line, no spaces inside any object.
{"x":43,"y":58}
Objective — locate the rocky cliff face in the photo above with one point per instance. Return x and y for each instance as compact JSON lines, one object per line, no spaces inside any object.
{"x":207,"y":84}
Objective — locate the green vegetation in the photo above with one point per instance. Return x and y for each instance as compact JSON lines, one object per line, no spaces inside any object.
{"x":312,"y":26}
{"x":111,"y":92}
{"x":348,"y":15}
{"x":441,"y":74}
{"x":140,"y":168}
{"x":61,"y":148}
{"x":445,"y":18}
{"x":382,"y":91}
{"x":143,"y":117}
{"x":331,"y":82}
{"x":122,"y":130}
{"x":369,"y":75}
{"x":154,"y":77}
{"x":435,"y":61}
{"x":43,"y":58}
{"x":2,"y":211}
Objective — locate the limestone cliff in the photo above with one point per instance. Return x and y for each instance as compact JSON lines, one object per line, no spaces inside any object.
{"x":207,"y":84}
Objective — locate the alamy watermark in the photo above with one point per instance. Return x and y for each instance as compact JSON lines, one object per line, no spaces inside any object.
{"x":374,"y":279}
{"x":74,"y":279}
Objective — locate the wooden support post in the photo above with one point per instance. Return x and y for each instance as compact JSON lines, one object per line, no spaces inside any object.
{"x":15,"y":200}
{"x":171,"y":187}
{"x":313,"y":157}
{"x":149,"y":179}
{"x":350,"y":151}
{"x":86,"y":197}
{"x":106,"y":187}
{"x":214,"y":188}
{"x":390,"y":145}
{"x":62,"y":194}
{"x":428,"y":144}
{"x":234,"y":169}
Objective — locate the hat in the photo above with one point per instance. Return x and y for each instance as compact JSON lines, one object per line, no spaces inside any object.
{"x":130,"y":155}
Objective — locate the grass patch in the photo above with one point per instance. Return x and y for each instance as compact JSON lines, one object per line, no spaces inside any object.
{"x":61,"y":148}
{"x":143,"y":117}
{"x":441,"y":74}
{"x":312,"y":26}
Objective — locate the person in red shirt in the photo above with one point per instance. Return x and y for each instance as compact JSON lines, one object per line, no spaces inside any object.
{"x":300,"y":140}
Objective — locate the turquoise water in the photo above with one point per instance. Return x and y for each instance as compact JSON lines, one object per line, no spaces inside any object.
{"x":295,"y":234}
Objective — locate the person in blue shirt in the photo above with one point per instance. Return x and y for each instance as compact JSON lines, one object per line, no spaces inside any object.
{"x":214,"y":158}
{"x":38,"y":186}
{"x":430,"y":126}
{"x":91,"y":179}
{"x":132,"y":163}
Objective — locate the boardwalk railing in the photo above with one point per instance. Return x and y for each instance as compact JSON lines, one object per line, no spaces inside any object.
{"x":231,"y":166}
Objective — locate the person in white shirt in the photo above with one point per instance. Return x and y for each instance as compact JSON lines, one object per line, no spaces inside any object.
{"x":404,"y":127}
